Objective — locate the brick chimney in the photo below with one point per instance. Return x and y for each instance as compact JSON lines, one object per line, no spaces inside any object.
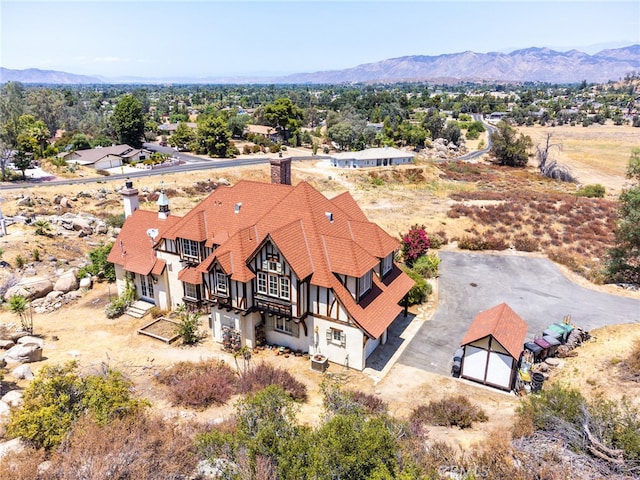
{"x":130,"y":197}
{"x":281,"y":170}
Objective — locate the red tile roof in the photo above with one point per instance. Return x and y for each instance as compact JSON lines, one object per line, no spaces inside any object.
{"x":318,"y":237}
{"x":503,"y":324}
{"x":133,"y":249}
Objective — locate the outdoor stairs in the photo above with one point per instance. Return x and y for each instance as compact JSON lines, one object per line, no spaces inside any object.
{"x":139,"y":309}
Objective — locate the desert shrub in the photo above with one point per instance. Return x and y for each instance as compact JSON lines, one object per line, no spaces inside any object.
{"x":117,"y":307}
{"x":554,"y":404}
{"x":591,"y":191}
{"x":58,"y":396}
{"x":525,"y":243}
{"x":337,"y":401}
{"x":262,"y":375}
{"x":632,"y":362}
{"x":20,"y":261}
{"x":436,"y":240}
{"x":420,"y":290}
{"x":427,"y":265}
{"x":487,"y":242}
{"x":188,"y":325}
{"x":200,"y":384}
{"x":23,"y":465}
{"x":449,"y":412}
{"x":35,"y":255}
{"x":414,"y":243}
{"x":157,"y":312}
{"x":141,"y":447}
{"x":246,"y":149}
{"x":116,"y":221}
{"x":99,"y":265}
{"x":103,"y":173}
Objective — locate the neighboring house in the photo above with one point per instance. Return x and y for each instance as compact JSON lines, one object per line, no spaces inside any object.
{"x":102,"y":158}
{"x":272,"y":263}
{"x":264,"y":131}
{"x":372,"y":157}
{"x":492,"y":347}
{"x":170,"y":128}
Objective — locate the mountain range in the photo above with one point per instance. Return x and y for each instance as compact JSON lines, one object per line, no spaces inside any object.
{"x":526,"y":65}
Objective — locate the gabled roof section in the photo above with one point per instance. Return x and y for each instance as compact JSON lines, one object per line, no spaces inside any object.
{"x":133,"y":248}
{"x":379,"y":308}
{"x":379,"y":242}
{"x":346,"y":257}
{"x":347,"y":204}
{"x":190,"y":275}
{"x":503,"y":324}
{"x":92,"y":155}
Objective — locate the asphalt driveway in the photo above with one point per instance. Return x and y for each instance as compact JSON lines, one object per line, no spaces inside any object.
{"x":533,"y":287}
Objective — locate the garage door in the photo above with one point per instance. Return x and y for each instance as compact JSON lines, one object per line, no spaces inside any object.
{"x":499,"y":371}
{"x":475,"y":363}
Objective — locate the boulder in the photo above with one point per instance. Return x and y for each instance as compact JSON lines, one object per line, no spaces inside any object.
{"x":65,"y":203}
{"x":24,"y":353}
{"x":224,"y":181}
{"x":85,"y":282}
{"x":13,"y":398}
{"x":30,"y":339}
{"x":53,"y":295}
{"x":23,"y":372}
{"x":35,"y":287}
{"x":24,"y":202}
{"x":15,"y":445}
{"x":6,"y":344}
{"x":5,"y":410}
{"x":102,"y":228}
{"x":67,"y":281}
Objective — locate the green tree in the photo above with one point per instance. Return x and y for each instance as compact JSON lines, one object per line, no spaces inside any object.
{"x":128,"y":121}
{"x":344,"y":134}
{"x":452,"y":132}
{"x":81,"y":142}
{"x":22,"y":161}
{"x":182,"y":137}
{"x":354,"y":447}
{"x":214,"y":138}
{"x":188,"y":325}
{"x":284,"y":115}
{"x":623,"y":260}
{"x":507,"y":148}
{"x":433,"y":123}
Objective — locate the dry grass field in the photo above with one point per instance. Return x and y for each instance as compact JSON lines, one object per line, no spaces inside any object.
{"x":458,"y":202}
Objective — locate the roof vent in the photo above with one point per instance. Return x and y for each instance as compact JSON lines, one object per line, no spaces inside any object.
{"x":237,"y":207}
{"x":329,"y":216}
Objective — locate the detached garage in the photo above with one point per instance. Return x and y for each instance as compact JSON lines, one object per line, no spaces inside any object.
{"x":492,"y":347}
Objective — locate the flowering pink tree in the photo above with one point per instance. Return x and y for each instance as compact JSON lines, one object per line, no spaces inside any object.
{"x":415,"y":243}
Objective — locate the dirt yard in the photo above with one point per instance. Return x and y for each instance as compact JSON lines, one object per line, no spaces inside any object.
{"x":81,"y":331}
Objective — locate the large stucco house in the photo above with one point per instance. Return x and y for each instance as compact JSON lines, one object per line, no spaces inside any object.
{"x":372,"y":157}
{"x":272,"y":263}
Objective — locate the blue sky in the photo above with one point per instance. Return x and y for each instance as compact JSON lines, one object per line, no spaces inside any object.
{"x":186,"y":38}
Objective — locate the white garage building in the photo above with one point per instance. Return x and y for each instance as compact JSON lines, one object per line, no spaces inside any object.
{"x":372,"y":157}
{"x":492,"y":347}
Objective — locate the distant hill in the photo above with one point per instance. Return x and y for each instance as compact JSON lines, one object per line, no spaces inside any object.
{"x":531,"y":64}
{"x":527,"y":65}
{"x":34,"y":75}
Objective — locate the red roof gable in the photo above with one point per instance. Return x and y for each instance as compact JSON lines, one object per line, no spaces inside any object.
{"x":133,"y":248}
{"x":503,"y":324}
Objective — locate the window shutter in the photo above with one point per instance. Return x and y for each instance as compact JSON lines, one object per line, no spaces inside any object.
{"x":269,"y":322}
{"x":278,"y":267}
{"x":295,"y":328}
{"x":343,"y":339}
{"x":329,"y":335}
{"x":265,"y":265}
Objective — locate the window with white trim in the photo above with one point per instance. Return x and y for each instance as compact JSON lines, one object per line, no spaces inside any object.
{"x":191,"y":291}
{"x":285,"y":288}
{"x":283,"y":325}
{"x":335,"y":336}
{"x":387,"y":264}
{"x":365,"y":283}
{"x":221,"y":282}
{"x":262,"y":282}
{"x":273,"y":286}
{"x":190,"y":248}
